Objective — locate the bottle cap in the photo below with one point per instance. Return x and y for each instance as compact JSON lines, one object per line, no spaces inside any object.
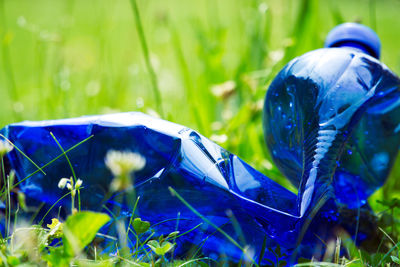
{"x":357,"y":35}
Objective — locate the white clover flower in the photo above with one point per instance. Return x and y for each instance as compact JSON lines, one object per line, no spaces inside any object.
{"x":5,"y":147}
{"x":121,"y":165}
{"x":124,"y":162}
{"x":63,"y":182}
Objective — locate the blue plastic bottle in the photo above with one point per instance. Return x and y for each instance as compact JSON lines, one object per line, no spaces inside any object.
{"x":245,"y":204}
{"x":331,"y":122}
{"x":332,"y":118}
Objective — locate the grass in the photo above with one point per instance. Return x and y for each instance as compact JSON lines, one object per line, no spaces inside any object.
{"x":71,"y":58}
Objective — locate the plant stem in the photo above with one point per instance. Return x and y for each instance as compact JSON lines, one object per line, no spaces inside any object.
{"x":189,"y":89}
{"x":9,"y":205}
{"x":72,"y":203}
{"x":5,"y":189}
{"x":7,"y":62}
{"x":146,"y":54}
{"x":73,"y":173}
{"x":55,"y":203}
{"x":48,"y":163}
{"x":137,"y":247}
{"x":174,"y":193}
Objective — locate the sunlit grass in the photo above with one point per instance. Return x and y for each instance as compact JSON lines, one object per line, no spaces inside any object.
{"x":70,"y":58}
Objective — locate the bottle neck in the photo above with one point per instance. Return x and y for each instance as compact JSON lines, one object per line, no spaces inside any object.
{"x":356,"y":46}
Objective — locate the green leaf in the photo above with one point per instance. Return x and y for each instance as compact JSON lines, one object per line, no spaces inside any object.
{"x":57,"y":257}
{"x":140,"y":226}
{"x":160,"y":250}
{"x":395,"y":259}
{"x":13,"y":260}
{"x":172,"y":235}
{"x":97,"y":263}
{"x":80,"y":229}
{"x":153,"y":243}
{"x":161,"y":239}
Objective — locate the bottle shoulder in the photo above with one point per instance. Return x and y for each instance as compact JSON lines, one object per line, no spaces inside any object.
{"x":328,"y":63}
{"x":336,"y":71}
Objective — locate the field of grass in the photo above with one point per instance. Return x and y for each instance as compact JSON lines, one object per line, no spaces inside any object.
{"x":205,"y":64}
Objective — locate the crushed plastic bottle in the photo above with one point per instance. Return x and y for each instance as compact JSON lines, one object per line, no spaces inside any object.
{"x":216,"y":183}
{"x":333,"y":115}
{"x":331,"y":123}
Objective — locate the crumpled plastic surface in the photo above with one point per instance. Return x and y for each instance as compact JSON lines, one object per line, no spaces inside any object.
{"x":211,"y":179}
{"x":331,"y":123}
{"x":332,"y":117}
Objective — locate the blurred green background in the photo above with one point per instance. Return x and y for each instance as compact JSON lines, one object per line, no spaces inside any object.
{"x":213,"y":60}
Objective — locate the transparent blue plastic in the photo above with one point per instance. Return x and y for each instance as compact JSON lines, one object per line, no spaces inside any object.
{"x":332,"y":124}
{"x":355,"y":35}
{"x":333,"y":116}
{"x":215,"y":182}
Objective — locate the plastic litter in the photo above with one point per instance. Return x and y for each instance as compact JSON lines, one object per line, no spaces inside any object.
{"x":332,"y":124}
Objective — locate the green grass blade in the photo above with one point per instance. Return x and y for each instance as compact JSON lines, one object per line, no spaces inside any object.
{"x":146,"y":54}
{"x":208,"y":221}
{"x":23,"y":154}
{"x":131,"y":219}
{"x":55,"y":203}
{"x":50,"y":162}
{"x":71,"y":167}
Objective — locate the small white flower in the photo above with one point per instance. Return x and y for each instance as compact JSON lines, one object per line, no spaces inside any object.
{"x":72,"y":187}
{"x":78,"y":184}
{"x":5,"y":147}
{"x":62,"y":183}
{"x":69,"y":186}
{"x":224,"y":90}
{"x":123,"y":163}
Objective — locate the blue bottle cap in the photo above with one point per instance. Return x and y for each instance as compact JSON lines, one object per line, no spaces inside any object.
{"x":355,"y":35}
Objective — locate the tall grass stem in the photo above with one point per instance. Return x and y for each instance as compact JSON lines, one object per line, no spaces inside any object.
{"x":73,"y":173}
{"x":7,"y":62}
{"x":146,"y":54}
{"x":5,"y":189}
